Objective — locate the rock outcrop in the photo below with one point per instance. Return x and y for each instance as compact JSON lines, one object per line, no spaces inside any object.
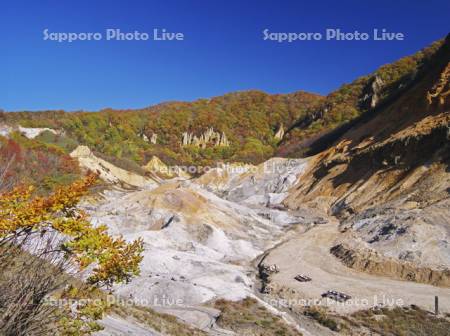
{"x":208,"y":138}
{"x":441,"y":89}
{"x":371,"y":93}
{"x":279,"y":133}
{"x":198,"y":246}
{"x":5,"y":130}
{"x":156,"y":166}
{"x":372,"y":262}
{"x":28,"y":132}
{"x":263,"y":185}
{"x":153,"y":138}
{"x":108,"y":172}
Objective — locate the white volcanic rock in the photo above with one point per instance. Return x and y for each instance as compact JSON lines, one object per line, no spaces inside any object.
{"x":257,"y":186}
{"x":265,"y":184}
{"x":28,"y":132}
{"x":271,"y":179}
{"x":5,"y":130}
{"x":198,"y":246}
{"x":419,"y":235}
{"x":32,"y":133}
{"x":202,"y":237}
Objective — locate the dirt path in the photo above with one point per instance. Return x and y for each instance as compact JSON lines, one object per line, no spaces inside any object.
{"x":308,"y":254}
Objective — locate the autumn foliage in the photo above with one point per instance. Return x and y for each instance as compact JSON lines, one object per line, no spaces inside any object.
{"x":247,"y":118}
{"x":29,"y":161}
{"x":23,"y":215}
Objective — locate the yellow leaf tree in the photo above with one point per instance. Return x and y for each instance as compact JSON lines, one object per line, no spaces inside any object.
{"x":26,"y":219}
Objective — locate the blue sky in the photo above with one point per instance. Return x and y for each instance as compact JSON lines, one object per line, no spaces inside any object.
{"x":223,"y":49}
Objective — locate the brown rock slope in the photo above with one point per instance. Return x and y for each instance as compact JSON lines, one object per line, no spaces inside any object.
{"x":398,"y":149}
{"x":388,"y":179}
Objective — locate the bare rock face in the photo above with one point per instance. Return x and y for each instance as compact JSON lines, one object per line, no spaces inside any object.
{"x":5,"y":129}
{"x":441,"y":89}
{"x":223,"y":141}
{"x":370,"y":261}
{"x":156,"y":166}
{"x":371,"y":94}
{"x":280,"y":133}
{"x":393,"y":196}
{"x":154,"y":138}
{"x":209,"y":137}
{"x":268,"y":183}
{"x":264,"y":273}
{"x":28,"y":132}
{"x":265,"y":185}
{"x":108,"y":172}
{"x":406,"y":232}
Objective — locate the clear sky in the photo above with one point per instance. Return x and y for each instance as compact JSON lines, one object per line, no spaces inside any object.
{"x":223,"y":48}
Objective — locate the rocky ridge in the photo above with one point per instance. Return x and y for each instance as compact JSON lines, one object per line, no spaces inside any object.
{"x":109,"y":172}
{"x":209,"y":137}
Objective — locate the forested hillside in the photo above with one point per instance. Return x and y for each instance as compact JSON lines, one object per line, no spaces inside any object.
{"x":248,"y":120}
{"x":323,"y":123}
{"x":30,"y":161}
